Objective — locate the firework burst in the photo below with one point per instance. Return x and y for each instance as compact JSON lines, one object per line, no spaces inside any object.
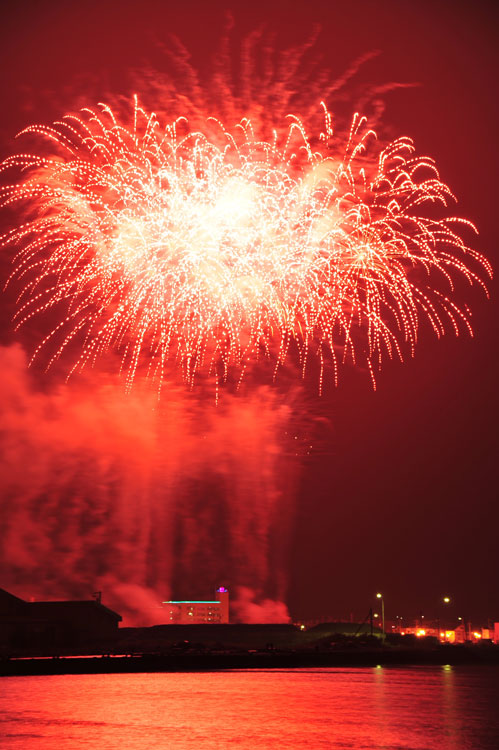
{"x":212,"y":248}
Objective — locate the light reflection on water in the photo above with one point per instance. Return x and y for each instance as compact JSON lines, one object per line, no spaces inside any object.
{"x":422,"y":708}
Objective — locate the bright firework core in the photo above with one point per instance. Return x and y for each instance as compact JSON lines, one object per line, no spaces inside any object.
{"x":213,"y":249}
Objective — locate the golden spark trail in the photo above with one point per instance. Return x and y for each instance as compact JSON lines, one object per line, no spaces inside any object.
{"x":213,"y":249}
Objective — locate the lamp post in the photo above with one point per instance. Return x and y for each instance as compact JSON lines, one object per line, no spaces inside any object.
{"x":446,"y":600}
{"x":380,"y":596}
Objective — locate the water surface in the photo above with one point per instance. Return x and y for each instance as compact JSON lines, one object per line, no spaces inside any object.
{"x":421,"y":708}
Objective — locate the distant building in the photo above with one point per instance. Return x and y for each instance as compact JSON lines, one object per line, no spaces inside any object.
{"x":194,"y":612}
{"x":424,"y":631}
{"x":457,"y":634}
{"x":461,"y":633}
{"x":26,"y":625}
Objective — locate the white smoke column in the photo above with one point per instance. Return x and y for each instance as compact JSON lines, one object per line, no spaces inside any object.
{"x":251,"y":609}
{"x":241,"y":529}
{"x":103,"y":490}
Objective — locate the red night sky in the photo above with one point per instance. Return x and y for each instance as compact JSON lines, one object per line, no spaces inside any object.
{"x":400,"y":492}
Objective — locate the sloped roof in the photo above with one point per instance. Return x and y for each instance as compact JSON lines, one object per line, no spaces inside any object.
{"x":70,"y":608}
{"x":10,"y":603}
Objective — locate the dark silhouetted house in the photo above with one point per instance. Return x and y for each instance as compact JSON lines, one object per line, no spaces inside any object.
{"x":11,"y":605}
{"x":29,"y":625}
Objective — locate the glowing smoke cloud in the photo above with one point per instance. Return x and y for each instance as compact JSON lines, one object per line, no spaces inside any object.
{"x":101,"y":491}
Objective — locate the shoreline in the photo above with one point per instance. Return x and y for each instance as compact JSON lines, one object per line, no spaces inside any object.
{"x":210,"y":662}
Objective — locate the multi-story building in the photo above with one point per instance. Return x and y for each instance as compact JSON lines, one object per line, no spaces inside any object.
{"x":186,"y":612}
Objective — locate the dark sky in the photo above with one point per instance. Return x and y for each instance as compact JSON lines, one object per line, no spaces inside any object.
{"x":403,"y":496}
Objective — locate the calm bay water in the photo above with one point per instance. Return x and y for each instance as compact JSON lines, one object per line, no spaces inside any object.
{"x":424,"y":708}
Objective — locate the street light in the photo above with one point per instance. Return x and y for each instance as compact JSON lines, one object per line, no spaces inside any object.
{"x":380,"y":596}
{"x":445,"y":600}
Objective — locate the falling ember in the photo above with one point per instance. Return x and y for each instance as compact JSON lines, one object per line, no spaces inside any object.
{"x":214,"y":249}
